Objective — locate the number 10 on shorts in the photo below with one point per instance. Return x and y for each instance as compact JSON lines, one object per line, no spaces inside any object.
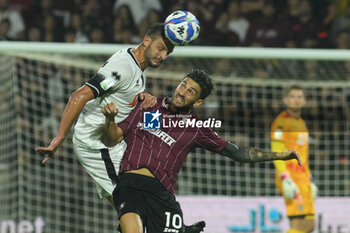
{"x":173,"y":222}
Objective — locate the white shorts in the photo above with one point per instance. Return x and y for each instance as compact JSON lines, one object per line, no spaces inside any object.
{"x":102,"y":165}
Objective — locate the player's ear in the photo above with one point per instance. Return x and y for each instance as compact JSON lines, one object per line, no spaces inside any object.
{"x":147,"y":41}
{"x":198,"y":103}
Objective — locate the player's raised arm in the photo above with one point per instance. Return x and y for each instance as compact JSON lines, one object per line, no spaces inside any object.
{"x":73,"y":108}
{"x":244,"y":154}
{"x":112,"y":134}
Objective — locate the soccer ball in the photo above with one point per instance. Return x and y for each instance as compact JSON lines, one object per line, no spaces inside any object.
{"x":181,"y":27}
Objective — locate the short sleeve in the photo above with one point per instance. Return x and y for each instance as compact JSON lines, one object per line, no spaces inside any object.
{"x":208,"y":139}
{"x":114,"y":74}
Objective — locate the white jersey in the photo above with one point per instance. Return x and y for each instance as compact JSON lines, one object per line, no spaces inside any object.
{"x":119,"y":80}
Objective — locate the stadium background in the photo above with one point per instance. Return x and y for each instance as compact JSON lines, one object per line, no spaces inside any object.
{"x":247,"y":98}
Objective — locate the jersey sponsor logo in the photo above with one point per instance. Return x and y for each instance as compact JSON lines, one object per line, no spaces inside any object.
{"x":162,"y":135}
{"x":150,"y":127}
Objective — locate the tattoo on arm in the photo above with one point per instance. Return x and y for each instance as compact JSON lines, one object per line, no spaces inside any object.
{"x":246,"y":154}
{"x":257,"y":155}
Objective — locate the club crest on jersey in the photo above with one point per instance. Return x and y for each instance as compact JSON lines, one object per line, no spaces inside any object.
{"x":121,"y":206}
{"x":151,"y":120}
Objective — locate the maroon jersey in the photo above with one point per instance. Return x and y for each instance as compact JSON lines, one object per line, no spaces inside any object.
{"x":164,"y":150}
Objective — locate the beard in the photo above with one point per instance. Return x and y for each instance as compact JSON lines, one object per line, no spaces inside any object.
{"x":151,"y":64}
{"x":149,"y":58}
{"x":183,"y":108}
{"x":179,"y":109}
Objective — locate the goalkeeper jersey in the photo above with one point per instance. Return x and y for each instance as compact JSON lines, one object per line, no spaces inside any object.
{"x":119,"y":80}
{"x":288,"y":132}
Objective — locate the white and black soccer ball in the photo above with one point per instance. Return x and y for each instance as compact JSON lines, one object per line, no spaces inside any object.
{"x":181,"y":27}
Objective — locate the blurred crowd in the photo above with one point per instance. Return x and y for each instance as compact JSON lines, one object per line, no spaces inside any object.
{"x":265,"y":23}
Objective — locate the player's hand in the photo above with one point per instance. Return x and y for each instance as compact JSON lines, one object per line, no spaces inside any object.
{"x":148,"y":100}
{"x":290,"y":154}
{"x":110,"y":110}
{"x":290,"y":189}
{"x":50,"y":150}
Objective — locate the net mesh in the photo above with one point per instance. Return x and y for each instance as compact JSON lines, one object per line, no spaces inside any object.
{"x":247,"y":97}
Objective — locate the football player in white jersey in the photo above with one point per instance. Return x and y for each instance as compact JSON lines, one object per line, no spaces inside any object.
{"x":120,"y":80}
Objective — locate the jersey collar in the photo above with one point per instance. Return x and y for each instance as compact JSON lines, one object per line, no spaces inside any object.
{"x":133,"y":57}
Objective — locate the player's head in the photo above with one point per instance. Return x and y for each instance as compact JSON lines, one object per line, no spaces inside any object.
{"x":192,"y":90}
{"x":158,"y":47}
{"x":294,"y":97}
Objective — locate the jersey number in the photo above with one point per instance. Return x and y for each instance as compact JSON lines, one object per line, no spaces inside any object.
{"x":174,"y":220}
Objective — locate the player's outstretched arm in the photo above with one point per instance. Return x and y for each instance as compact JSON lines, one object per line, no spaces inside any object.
{"x":73,"y":108}
{"x":243,"y":154}
{"x":112,"y":134}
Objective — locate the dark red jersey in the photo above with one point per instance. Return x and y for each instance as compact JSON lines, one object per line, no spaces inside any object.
{"x":164,"y":150}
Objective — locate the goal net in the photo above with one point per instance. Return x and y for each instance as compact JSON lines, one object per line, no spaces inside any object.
{"x":248,"y":95}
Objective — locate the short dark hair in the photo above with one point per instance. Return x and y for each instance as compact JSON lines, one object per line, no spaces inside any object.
{"x":203,"y":80}
{"x":156,"y":31}
{"x":293,"y":87}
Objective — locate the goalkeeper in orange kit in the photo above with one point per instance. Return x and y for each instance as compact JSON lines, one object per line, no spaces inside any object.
{"x":289,"y":131}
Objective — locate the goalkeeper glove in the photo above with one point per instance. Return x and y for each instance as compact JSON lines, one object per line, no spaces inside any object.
{"x":290,"y":189}
{"x":314,"y":189}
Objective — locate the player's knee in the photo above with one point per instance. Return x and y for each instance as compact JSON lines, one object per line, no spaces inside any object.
{"x":306,"y":227}
{"x":310,"y":227}
{"x":131,"y":223}
{"x":309,"y":224}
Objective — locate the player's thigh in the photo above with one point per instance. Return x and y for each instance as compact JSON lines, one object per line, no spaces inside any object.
{"x":87,"y":157}
{"x":303,"y":223}
{"x":131,"y":223}
{"x":129,"y":200}
{"x":164,"y":214}
{"x":101,"y":165}
{"x":147,"y":197}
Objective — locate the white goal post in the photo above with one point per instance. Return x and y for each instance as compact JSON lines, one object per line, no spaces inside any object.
{"x":38,"y":78}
